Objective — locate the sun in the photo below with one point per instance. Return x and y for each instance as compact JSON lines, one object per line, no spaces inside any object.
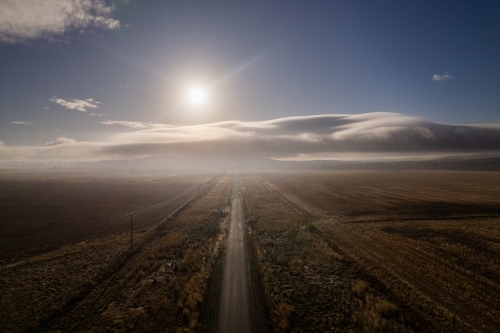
{"x":196,"y":96}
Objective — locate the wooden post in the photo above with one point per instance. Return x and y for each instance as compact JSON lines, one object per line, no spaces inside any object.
{"x":130,"y":232}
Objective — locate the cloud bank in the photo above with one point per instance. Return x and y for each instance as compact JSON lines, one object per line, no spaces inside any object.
{"x":77,"y":104}
{"x":374,"y":136}
{"x":136,"y":124}
{"x":25,"y":20}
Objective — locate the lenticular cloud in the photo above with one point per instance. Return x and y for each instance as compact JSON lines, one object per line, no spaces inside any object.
{"x":327,"y":136}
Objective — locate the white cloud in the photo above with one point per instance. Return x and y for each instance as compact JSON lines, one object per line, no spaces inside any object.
{"x":25,"y":20}
{"x":373,"y":136}
{"x":136,"y":124}
{"x":21,"y":123}
{"x":443,"y":77}
{"x":76,"y":104}
{"x":61,"y":141}
{"x":97,"y":114}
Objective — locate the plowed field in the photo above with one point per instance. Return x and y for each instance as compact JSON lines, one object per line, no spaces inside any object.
{"x":430,"y":239}
{"x":41,"y":211}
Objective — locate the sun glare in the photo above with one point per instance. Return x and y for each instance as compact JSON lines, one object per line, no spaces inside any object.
{"x":197,"y":96}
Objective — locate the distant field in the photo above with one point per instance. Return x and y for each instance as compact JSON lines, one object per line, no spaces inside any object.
{"x":40,"y":211}
{"x":364,"y":195}
{"x":429,"y":242}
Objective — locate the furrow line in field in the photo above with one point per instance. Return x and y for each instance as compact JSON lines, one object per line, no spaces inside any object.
{"x":421,"y":257}
{"x":417,"y":281}
{"x":383,"y":260}
{"x":87,"y":299}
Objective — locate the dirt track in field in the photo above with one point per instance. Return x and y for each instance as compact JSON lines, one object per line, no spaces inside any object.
{"x":409,"y":269}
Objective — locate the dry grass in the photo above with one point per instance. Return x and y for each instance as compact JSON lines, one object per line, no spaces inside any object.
{"x":362,"y":195}
{"x":430,"y":238}
{"x":40,"y":286}
{"x":99,"y":286}
{"x":307,"y":282}
{"x":364,"y":251}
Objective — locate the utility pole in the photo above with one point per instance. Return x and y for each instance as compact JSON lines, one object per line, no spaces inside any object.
{"x":130,"y":232}
{"x":199,"y":189}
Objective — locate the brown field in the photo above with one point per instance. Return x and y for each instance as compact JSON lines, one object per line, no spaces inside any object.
{"x":102,"y":286}
{"x":330,"y":251}
{"x":40,"y":211}
{"x":377,"y":250}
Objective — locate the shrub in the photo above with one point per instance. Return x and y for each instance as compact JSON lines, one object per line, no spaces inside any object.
{"x":285,"y":312}
{"x":359,"y":287}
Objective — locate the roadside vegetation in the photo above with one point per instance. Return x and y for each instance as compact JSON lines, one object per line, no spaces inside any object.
{"x":102,"y":286}
{"x":308,"y":283}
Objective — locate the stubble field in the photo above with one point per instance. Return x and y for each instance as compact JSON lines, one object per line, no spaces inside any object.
{"x":100,"y":285}
{"x":377,"y":250}
{"x":330,"y":251}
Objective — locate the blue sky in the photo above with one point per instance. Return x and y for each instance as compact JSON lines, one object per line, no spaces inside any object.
{"x":126,"y":65}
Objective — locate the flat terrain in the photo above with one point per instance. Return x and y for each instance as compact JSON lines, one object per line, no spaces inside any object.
{"x":402,"y":194}
{"x":102,"y":286}
{"x":40,"y":211}
{"x":423,"y":245}
{"x":328,"y":251}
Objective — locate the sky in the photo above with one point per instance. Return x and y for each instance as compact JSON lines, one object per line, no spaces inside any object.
{"x":96,"y":80}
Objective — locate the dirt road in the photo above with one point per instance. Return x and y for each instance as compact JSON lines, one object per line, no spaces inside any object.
{"x":235,"y":313}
